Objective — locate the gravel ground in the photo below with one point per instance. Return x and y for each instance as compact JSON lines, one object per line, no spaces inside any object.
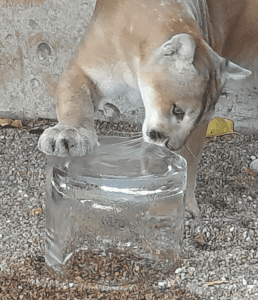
{"x":219,"y":259}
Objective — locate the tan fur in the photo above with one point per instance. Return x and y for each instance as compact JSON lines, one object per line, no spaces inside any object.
{"x":234,"y":26}
{"x":170,"y":51}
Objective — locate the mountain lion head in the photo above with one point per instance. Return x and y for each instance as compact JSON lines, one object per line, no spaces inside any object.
{"x":180,"y":85}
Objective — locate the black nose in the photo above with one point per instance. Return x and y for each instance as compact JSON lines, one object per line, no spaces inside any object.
{"x":156,"y":135}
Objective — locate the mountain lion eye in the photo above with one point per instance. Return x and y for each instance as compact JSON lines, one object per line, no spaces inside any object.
{"x":178,"y":112}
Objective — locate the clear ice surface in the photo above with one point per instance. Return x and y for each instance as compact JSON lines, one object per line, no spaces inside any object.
{"x":126,"y":193}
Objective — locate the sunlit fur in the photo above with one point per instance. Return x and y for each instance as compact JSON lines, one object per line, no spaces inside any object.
{"x":192,"y":87}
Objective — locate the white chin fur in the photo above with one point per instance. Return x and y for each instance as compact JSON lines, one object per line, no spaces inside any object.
{"x":146,"y":138}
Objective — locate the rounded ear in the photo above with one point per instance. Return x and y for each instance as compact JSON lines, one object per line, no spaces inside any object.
{"x":180,"y":46}
{"x":235,"y":72}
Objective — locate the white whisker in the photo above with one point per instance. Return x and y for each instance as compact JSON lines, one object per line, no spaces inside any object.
{"x":132,"y":144}
{"x":132,"y":134}
{"x":131,"y":140}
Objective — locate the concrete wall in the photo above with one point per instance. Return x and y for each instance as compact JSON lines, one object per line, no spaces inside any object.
{"x":37,"y":39}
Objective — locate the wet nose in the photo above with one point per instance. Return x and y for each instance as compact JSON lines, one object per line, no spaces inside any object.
{"x":156,"y":135}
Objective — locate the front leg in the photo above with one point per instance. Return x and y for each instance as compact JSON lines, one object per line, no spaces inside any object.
{"x":192,"y":152}
{"x":74,"y":135}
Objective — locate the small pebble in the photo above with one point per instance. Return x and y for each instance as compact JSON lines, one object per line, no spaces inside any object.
{"x":254,"y":165}
{"x":178,"y":270}
{"x":250,"y":287}
{"x":172,"y":282}
{"x":161,"y":283}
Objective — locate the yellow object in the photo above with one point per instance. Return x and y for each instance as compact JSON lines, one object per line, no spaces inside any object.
{"x":219,"y":127}
{"x":13,"y":123}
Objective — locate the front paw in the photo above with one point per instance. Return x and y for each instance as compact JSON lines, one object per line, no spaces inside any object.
{"x":64,"y":140}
